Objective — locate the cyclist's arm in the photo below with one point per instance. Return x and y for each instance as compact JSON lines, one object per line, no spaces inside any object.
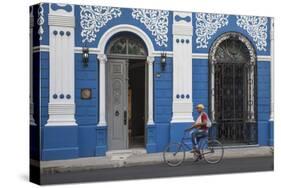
{"x":204,"y":119}
{"x":204,"y":123}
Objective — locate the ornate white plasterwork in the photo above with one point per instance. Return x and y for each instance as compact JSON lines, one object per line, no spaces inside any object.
{"x":40,"y":21}
{"x":256,"y":28}
{"x":155,"y":21}
{"x":95,"y":17}
{"x":207,"y":25}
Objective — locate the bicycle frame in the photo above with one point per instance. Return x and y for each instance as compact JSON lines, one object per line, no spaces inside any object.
{"x":187,"y":138}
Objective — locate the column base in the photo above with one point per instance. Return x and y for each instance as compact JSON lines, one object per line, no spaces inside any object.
{"x":101,"y":142}
{"x":151,"y":138}
{"x":271,"y":133}
{"x":59,"y":142}
{"x":61,"y":114}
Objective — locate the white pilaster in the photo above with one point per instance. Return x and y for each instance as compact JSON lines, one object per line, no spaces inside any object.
{"x":182,"y":67}
{"x":61,"y":107}
{"x":150,"y":61}
{"x":102,"y":60}
{"x":272,"y":70}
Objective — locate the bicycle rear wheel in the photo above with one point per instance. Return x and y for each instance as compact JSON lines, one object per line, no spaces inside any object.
{"x":174,"y":154}
{"x":212,"y":151}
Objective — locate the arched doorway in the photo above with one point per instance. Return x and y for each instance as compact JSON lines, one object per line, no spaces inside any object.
{"x":126,"y":91}
{"x":232,"y":65}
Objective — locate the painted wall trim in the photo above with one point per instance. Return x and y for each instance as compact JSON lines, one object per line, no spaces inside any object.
{"x":182,"y":69}
{"x":102,"y":93}
{"x":150,"y":61}
{"x":63,"y":21}
{"x":206,"y":56}
{"x":61,"y":106}
{"x":41,"y":48}
{"x":125,"y":28}
{"x":264,"y":58}
{"x":45,"y":48}
{"x":200,"y":56}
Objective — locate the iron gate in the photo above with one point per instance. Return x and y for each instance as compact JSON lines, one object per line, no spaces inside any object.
{"x":233,"y":89}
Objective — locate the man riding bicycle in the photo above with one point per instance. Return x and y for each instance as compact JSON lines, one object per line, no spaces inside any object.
{"x":200,"y":128}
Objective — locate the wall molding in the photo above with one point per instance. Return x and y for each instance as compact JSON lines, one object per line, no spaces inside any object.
{"x":62,"y":21}
{"x":182,"y":30}
{"x":200,"y":55}
{"x":206,"y":56}
{"x":264,"y":58}
{"x":46,"y":48}
{"x":41,"y":48}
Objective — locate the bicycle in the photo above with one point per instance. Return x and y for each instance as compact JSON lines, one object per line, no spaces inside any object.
{"x":209,"y":150}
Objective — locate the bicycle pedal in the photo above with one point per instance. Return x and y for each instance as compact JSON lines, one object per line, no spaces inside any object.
{"x":198,"y":158}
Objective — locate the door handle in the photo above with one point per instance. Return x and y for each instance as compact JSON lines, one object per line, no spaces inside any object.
{"x":125,"y":117}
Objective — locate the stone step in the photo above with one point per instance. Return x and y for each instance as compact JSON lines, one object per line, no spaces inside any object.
{"x":124,"y":154}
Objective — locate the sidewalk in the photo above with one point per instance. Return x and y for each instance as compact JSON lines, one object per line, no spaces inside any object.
{"x":135,"y":157}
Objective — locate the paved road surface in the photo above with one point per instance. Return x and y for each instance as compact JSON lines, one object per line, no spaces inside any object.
{"x":161,"y":170}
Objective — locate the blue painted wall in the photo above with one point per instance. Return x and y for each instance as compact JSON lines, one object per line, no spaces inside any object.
{"x":59,"y":142}
{"x":263,"y":71}
{"x":163,"y":91}
{"x":200,"y":84}
{"x":87,"y":112}
{"x":44,"y":86}
{"x":86,"y":139}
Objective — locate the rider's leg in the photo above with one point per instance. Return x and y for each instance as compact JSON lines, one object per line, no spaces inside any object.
{"x":200,"y":137}
{"x":194,"y":138}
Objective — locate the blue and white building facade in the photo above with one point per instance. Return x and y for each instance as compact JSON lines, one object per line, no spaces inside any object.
{"x":79,"y":111}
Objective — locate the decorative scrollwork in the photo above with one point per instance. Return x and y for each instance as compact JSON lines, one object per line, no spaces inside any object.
{"x":155,"y":21}
{"x":207,"y":25}
{"x":40,"y":21}
{"x":93,"y":18}
{"x":256,"y":28}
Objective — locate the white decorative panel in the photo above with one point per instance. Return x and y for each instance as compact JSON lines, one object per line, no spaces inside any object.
{"x":93,"y":18}
{"x":207,"y":25}
{"x":182,"y":67}
{"x":61,"y":106}
{"x":256,"y":27}
{"x":156,"y":21}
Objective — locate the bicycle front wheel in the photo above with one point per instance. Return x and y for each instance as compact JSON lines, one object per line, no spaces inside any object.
{"x":212,"y":151}
{"x":174,"y":154}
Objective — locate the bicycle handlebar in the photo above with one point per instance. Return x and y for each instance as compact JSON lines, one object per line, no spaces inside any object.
{"x":189,"y":129}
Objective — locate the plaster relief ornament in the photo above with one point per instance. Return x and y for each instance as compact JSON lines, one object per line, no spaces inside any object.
{"x":207,"y":25}
{"x":40,"y":21}
{"x":256,"y":28}
{"x":155,"y":21}
{"x":95,"y":17}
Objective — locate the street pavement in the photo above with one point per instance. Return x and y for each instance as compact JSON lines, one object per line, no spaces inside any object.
{"x":188,"y":168}
{"x":134,"y":157}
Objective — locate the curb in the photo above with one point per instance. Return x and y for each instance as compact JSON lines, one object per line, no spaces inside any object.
{"x":95,"y":163}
